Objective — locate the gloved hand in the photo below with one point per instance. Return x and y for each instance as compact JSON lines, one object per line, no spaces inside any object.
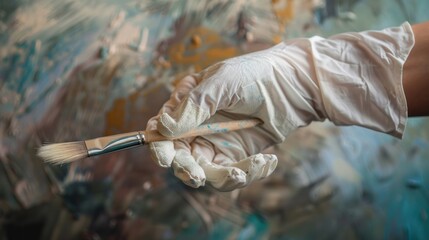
{"x":245,"y":87}
{"x":351,"y":79}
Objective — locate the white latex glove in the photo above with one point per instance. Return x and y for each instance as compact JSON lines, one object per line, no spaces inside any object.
{"x":350,"y":78}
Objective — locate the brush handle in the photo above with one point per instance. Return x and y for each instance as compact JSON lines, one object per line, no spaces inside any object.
{"x":205,"y":129}
{"x":123,"y":141}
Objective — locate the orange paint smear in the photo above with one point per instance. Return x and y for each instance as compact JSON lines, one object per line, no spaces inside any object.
{"x":201,"y":47}
{"x":284,"y":11}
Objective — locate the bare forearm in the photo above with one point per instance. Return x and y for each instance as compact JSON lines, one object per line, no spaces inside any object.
{"x":416,"y":73}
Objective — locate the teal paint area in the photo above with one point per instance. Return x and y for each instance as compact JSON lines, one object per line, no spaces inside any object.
{"x":74,"y":70}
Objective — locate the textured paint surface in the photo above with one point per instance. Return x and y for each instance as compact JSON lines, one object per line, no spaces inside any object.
{"x":71,"y":70}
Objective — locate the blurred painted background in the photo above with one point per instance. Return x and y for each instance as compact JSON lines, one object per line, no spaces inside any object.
{"x":75,"y":69}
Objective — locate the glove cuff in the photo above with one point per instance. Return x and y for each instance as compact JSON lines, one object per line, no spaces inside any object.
{"x":360,"y":78}
{"x":355,"y":78}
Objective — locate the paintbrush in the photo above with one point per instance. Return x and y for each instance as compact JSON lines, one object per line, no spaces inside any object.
{"x":59,"y":153}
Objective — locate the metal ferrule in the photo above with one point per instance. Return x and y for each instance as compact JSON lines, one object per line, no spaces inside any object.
{"x":114,"y":143}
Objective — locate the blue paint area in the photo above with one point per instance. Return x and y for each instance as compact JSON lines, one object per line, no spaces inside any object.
{"x":221,"y":130}
{"x":402,"y":194}
{"x":414,"y":183}
{"x":216,"y":128}
{"x":226,"y":144}
{"x":255,"y":227}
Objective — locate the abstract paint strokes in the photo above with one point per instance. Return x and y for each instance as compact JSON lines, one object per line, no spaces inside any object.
{"x":77,"y":69}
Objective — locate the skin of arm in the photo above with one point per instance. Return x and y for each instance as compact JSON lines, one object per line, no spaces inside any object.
{"x":416,"y":73}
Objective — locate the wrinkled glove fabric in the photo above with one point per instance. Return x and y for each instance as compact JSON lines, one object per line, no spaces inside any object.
{"x":349,"y":78}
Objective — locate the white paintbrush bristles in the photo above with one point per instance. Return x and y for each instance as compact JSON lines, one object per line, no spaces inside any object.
{"x":59,"y":153}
